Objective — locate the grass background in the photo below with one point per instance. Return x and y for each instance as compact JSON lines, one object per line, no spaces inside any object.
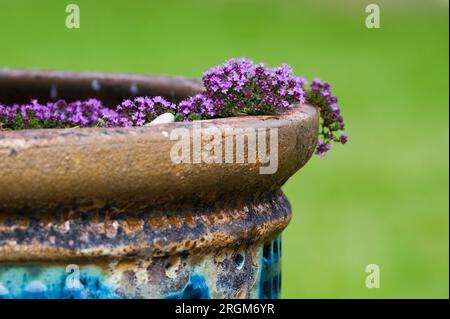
{"x":381,"y":199}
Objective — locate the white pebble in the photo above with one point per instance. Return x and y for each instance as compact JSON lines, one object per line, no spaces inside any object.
{"x":162,"y":119}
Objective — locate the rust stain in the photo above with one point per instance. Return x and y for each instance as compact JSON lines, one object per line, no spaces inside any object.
{"x":97,"y":233}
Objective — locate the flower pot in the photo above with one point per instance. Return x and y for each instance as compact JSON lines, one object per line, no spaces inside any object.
{"x":108,"y":213}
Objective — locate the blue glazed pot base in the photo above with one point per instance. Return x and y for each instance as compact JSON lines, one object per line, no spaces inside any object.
{"x":245,"y":272}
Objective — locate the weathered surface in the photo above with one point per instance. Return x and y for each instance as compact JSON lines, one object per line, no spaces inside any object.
{"x":247,"y":271}
{"x":70,"y":233}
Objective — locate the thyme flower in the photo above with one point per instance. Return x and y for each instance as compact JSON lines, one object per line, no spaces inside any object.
{"x":332,"y":122}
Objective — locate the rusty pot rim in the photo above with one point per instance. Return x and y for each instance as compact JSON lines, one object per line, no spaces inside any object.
{"x":131,"y":167}
{"x":120,"y":167}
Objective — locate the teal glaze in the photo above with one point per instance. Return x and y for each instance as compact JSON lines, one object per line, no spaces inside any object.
{"x":51,"y":282}
{"x":195,"y":289}
{"x":270,"y":278}
{"x":236,"y":273}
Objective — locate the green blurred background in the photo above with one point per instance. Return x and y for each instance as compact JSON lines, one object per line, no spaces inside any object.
{"x":383,"y":198}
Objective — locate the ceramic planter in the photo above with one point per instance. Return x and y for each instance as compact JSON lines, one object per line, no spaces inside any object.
{"x":106,"y":213}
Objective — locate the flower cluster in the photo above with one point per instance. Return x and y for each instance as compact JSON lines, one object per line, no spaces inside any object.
{"x":54,"y":114}
{"x":140,"y":111}
{"x":238,"y":86}
{"x":332,"y":125}
{"x":196,"y":107}
{"x":88,"y":113}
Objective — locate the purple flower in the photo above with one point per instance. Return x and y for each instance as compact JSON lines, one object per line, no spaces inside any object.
{"x":54,"y":114}
{"x":343,"y":138}
{"x":242,"y":86}
{"x":332,"y":124}
{"x":139,"y":111}
{"x":197,"y":107}
{"x":322,"y":148}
